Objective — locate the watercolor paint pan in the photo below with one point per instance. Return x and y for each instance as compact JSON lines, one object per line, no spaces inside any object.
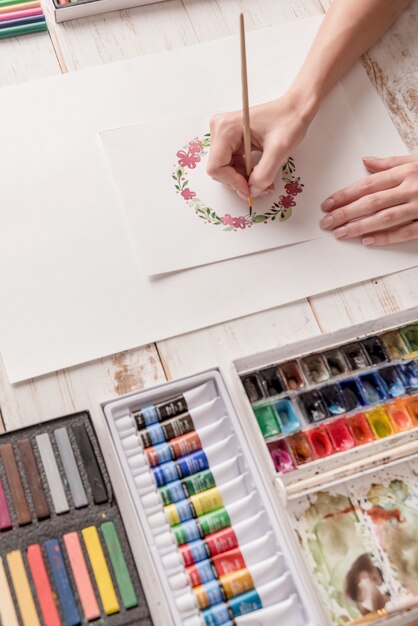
{"x":247,"y":513}
{"x":363,"y":376}
{"x":46,"y":581}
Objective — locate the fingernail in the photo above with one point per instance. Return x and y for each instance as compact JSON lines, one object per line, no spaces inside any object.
{"x":256,"y":191}
{"x":371,"y":158}
{"x":326,"y":222}
{"x":368,"y":241}
{"x":242,"y":195}
{"x":328,"y":204}
{"x":341,"y":232}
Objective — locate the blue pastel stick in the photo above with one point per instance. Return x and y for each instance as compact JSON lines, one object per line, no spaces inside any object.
{"x":22,"y":21}
{"x":62,"y":583}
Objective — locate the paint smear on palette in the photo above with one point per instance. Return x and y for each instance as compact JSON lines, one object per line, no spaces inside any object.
{"x":393,"y":512}
{"x":343,"y":564}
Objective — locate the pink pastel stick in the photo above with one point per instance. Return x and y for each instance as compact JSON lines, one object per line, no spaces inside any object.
{"x":15,"y":15}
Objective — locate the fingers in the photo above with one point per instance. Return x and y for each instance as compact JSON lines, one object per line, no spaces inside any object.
{"x":408,"y":232}
{"x":367,"y":205}
{"x":265,"y":172}
{"x":382,"y":220}
{"x":221,"y":164}
{"x":364,"y":187}
{"x":375,"y":164}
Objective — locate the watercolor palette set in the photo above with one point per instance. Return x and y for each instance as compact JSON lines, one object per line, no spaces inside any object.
{"x":327,"y":401}
{"x":64,"y":555}
{"x":73,"y":9}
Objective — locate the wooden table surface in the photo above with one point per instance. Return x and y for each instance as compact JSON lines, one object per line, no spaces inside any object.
{"x":392,"y":65}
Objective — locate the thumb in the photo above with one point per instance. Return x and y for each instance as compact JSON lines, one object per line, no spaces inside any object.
{"x":376,"y":164}
{"x":265,"y":172}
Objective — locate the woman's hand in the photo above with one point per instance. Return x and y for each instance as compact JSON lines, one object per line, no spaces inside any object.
{"x":382,"y":208}
{"x":277,"y":127}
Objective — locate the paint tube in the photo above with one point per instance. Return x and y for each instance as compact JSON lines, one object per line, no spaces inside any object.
{"x":220,"y":542}
{"x":188,"y":443}
{"x":195,"y":462}
{"x":204,"y":502}
{"x":211,"y":591}
{"x":223,"y":612}
{"x":194,"y":419}
{"x":191,"y":485}
{"x":246,"y":555}
{"x":226,"y":563}
{"x":216,"y":520}
{"x":176,"y":405}
{"x":288,"y":612}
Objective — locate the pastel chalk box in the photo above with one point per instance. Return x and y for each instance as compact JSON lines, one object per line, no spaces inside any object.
{"x":86,"y":8}
{"x":65,"y":559}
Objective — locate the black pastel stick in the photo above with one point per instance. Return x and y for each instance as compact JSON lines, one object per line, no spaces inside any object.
{"x":91,"y":465}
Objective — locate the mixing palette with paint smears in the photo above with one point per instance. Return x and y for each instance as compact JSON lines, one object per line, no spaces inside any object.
{"x":64,"y":556}
{"x":216,"y":544}
{"x":335,"y":399}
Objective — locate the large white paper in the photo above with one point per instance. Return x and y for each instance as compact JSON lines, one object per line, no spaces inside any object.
{"x":71,"y":287}
{"x":182,"y":218}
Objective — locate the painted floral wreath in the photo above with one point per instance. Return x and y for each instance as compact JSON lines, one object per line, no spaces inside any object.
{"x":192,"y":153}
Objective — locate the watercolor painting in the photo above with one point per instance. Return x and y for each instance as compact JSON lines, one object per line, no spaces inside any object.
{"x":192,"y":154}
{"x":392,"y":510}
{"x":344,"y":564}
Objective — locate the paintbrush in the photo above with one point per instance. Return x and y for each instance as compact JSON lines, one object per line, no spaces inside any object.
{"x":404,"y":605}
{"x":245,"y":107}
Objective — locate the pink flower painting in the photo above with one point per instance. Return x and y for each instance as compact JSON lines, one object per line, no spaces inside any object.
{"x":188,"y":194}
{"x":287,"y":201}
{"x":188,"y":159}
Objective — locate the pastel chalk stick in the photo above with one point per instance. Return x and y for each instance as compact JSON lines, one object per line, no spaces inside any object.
{"x":100,"y":570}
{"x":33,"y":478}
{"x":120,"y":568}
{"x":15,"y":483}
{"x":81,"y":577}
{"x":91,"y":465}
{"x":5,"y":519}
{"x":71,"y":468}
{"x":62,"y":583}
{"x":7,"y":608}
{"x":42,"y":586}
{"x":52,"y":474}
{"x":25,"y":601}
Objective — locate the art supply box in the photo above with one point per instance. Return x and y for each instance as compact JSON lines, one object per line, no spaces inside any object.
{"x":86,"y":8}
{"x":225,"y":499}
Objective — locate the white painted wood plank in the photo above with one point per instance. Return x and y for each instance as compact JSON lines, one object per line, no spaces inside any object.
{"x":121,"y":35}
{"x":78,"y":389}
{"x":219,"y":345}
{"x":25,"y":58}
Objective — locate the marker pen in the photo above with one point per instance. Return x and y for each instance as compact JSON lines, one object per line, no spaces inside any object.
{"x":204,"y":502}
{"x":216,"y":520}
{"x":188,"y":443}
{"x":272,"y":593}
{"x":195,"y":419}
{"x":195,"y":462}
{"x":176,"y":405}
{"x":191,"y":485}
{"x":220,"y":541}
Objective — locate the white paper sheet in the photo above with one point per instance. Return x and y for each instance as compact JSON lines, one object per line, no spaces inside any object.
{"x":182,"y":218}
{"x":71,"y":287}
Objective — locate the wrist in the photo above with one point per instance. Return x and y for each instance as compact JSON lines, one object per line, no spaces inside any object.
{"x":304,"y":102}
